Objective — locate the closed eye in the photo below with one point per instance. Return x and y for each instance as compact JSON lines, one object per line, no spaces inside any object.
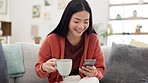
{"x":86,"y":22}
{"x":76,"y":21}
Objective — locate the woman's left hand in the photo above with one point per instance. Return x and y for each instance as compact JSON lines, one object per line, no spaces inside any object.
{"x":89,"y":71}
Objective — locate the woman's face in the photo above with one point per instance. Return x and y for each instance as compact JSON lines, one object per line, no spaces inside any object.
{"x":78,"y":24}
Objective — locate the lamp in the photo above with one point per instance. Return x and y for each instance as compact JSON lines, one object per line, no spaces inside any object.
{"x":6,"y":28}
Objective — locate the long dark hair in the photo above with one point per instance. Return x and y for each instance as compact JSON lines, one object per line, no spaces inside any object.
{"x":73,"y":6}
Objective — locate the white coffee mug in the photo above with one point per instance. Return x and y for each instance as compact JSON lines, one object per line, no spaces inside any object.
{"x":64,"y":66}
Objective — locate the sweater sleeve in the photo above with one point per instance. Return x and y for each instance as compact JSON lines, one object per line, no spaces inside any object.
{"x":99,"y":56}
{"x":93,"y":51}
{"x":43,"y":55}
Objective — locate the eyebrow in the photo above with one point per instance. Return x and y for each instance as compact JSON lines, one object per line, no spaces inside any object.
{"x":80,"y":19}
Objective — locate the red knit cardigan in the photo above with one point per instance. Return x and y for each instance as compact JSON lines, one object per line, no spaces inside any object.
{"x":53,"y":47}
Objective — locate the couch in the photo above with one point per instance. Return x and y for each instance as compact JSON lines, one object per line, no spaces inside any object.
{"x":30,"y":54}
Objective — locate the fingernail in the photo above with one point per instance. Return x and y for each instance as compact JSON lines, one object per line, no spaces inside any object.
{"x":79,"y":68}
{"x":82,"y":67}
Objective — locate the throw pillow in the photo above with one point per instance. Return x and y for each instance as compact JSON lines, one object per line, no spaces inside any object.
{"x":127,"y":64}
{"x":3,"y":67}
{"x":14,"y":57}
{"x":138,"y":43}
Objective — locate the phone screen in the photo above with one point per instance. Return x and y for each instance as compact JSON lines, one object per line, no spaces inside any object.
{"x":89,"y":62}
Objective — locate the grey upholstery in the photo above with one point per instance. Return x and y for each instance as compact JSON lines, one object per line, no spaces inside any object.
{"x":30,"y":55}
{"x":127,"y":64}
{"x":30,"y":52}
{"x":3,"y":67}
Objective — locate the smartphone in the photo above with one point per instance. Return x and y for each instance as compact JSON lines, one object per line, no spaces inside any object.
{"x":89,"y":62}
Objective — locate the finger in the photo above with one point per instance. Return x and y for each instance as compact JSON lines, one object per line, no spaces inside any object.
{"x":50,"y":69}
{"x":85,"y":72}
{"x":49,"y":66}
{"x":51,"y":63}
{"x":53,"y":60}
{"x":86,"y":69}
{"x":92,"y":68}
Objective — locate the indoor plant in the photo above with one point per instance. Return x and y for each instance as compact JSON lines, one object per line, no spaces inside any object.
{"x":37,"y":39}
{"x":138,"y":28}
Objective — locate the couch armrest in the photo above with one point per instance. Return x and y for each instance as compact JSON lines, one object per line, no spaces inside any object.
{"x":106,"y":50}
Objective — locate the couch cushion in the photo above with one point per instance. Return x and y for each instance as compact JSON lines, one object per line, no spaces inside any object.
{"x":3,"y":67}
{"x":30,"y":52}
{"x":127,"y":64}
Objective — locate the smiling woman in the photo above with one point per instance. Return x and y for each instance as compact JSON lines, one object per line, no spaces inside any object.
{"x":73,"y":38}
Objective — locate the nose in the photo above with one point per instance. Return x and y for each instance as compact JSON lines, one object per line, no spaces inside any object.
{"x":81,"y":26}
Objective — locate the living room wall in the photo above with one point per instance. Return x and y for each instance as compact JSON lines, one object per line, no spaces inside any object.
{"x":22,"y":20}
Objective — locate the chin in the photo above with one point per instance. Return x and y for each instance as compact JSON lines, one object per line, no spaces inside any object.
{"x":78,"y":35}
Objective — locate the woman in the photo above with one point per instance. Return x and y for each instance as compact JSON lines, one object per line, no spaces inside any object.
{"x":74,"y":38}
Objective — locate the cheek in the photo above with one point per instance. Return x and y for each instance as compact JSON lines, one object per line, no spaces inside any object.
{"x":86,"y":26}
{"x":72,"y":25}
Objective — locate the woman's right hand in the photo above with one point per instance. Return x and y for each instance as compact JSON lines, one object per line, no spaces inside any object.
{"x":49,"y":66}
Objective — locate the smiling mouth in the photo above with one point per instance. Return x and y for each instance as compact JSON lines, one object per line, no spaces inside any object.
{"x":79,"y":31}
